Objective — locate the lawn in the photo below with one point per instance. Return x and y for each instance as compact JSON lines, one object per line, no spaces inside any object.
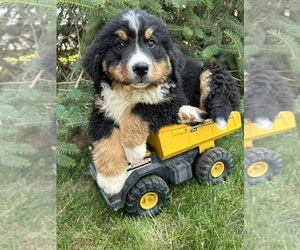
{"x":196,"y":217}
{"x":28,"y":213}
{"x":272,"y":214}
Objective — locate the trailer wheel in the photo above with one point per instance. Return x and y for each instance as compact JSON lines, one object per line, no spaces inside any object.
{"x":260,"y":164}
{"x":147,"y":197}
{"x":213,"y":166}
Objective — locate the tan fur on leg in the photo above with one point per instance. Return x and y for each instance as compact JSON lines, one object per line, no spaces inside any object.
{"x":134,"y":133}
{"x":110,"y":163}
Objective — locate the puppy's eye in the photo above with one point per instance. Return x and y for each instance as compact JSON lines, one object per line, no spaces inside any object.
{"x":121,"y":45}
{"x":151,"y":43}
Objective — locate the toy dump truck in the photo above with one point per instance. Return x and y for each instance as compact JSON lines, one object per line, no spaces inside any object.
{"x":176,"y":154}
{"x":261,"y":164}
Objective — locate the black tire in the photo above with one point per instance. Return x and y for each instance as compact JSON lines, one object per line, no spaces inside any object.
{"x":213,"y":166}
{"x":147,"y":197}
{"x":260,"y":164}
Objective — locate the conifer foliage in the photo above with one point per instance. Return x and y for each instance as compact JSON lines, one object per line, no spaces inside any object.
{"x":204,"y":29}
{"x":27,"y":90}
{"x":272,"y":34}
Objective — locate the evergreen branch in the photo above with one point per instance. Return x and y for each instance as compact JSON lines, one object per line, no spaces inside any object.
{"x":153,"y":6}
{"x":285,"y":24}
{"x":236,"y":40}
{"x":208,"y":3}
{"x":17,"y":148}
{"x":79,"y":123}
{"x":7,"y":112}
{"x":65,"y":161}
{"x":32,"y":123}
{"x":233,"y":24}
{"x":271,"y":48}
{"x":199,"y":33}
{"x":190,"y":17}
{"x":80,"y":4}
{"x":227,"y":48}
{"x":11,"y":160}
{"x":251,"y":50}
{"x":187,"y":32}
{"x":79,"y":79}
{"x":39,"y":3}
{"x":209,"y":52}
{"x":248,"y":5}
{"x":67,"y":148}
{"x":60,"y":111}
{"x":35,"y":80}
{"x":288,"y":40}
{"x":7,"y":130}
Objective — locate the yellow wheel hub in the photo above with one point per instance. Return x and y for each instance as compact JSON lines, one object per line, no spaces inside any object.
{"x":257,"y":169}
{"x":217,"y":169}
{"x":149,"y":200}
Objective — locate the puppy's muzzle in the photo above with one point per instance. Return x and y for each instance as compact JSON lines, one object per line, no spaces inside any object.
{"x":141,"y":69}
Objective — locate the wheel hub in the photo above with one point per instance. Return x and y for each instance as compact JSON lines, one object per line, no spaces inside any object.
{"x":149,"y":200}
{"x":257,"y":169}
{"x":217,"y":169}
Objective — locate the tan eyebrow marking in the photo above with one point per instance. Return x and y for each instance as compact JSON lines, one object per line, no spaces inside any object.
{"x":148,"y":33}
{"x":122,"y":34}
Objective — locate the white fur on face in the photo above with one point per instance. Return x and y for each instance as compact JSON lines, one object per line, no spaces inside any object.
{"x":133,"y":20}
{"x":139,"y":57}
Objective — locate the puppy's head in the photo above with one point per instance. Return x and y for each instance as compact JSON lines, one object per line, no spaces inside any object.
{"x":135,"y":49}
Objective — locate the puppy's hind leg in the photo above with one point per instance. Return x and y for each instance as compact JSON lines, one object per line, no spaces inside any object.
{"x":110,"y":163}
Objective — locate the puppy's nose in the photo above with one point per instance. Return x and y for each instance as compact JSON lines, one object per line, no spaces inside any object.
{"x":140,"y":68}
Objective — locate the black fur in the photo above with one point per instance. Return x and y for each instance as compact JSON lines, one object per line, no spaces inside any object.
{"x":224,"y":95}
{"x":266,"y":91}
{"x":184,"y":77}
{"x":99,"y":125}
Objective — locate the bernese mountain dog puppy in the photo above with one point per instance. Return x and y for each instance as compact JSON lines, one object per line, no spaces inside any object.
{"x":266,"y":93}
{"x":142,"y":83}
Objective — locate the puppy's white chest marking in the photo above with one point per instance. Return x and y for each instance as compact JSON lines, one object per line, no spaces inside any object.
{"x":114,"y":101}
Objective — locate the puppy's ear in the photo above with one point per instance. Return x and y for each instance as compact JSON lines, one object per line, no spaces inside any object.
{"x":92,"y":63}
{"x":177,"y":61}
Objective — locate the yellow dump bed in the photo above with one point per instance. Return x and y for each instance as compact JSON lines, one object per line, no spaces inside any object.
{"x":175,"y":139}
{"x":282,"y":123}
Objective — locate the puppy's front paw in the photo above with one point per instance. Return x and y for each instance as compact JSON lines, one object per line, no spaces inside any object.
{"x":263,"y":123}
{"x":111,"y":184}
{"x":221,"y":123}
{"x":189,"y":114}
{"x":135,"y":155}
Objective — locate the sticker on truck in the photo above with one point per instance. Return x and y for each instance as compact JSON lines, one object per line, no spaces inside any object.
{"x":144,"y":162}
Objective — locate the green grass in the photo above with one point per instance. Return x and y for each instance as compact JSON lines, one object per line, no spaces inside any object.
{"x":27,"y":216}
{"x":196,"y":217}
{"x":272,"y":214}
